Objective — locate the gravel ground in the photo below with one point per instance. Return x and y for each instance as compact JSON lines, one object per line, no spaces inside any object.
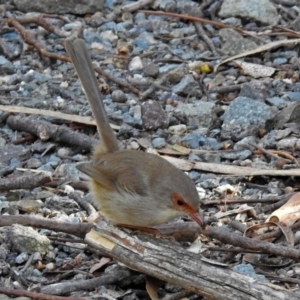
{"x":212,"y":86}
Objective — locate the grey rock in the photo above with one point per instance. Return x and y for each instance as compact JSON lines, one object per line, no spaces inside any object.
{"x":3,"y":254}
{"x":26,"y":239}
{"x":248,"y":91}
{"x":187,"y":86}
{"x":290,"y":114}
{"x":153,"y":115}
{"x":209,"y":181}
{"x":6,"y":67}
{"x":211,"y":157}
{"x":177,"y":129}
{"x":239,"y":155}
{"x":292,"y":96}
{"x":258,"y":10}
{"x":8,"y":152}
{"x":234,"y":43}
{"x":33,"y":163}
{"x":135,"y":122}
{"x":176,"y":73}
{"x":244,"y":143}
{"x":69,"y":171}
{"x":248,"y":270}
{"x":200,"y":114}
{"x":193,"y":140}
{"x":118,"y":96}
{"x":184,"y":31}
{"x":158,"y":142}
{"x":277,"y":101}
{"x":21,"y":258}
{"x":244,"y":117}
{"x":280,"y":61}
{"x":2,"y":142}
{"x":79,"y":7}
{"x":26,"y":205}
{"x":260,"y":89}
{"x":149,"y":68}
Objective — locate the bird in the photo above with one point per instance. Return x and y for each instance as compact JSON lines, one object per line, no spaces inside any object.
{"x":131,"y":188}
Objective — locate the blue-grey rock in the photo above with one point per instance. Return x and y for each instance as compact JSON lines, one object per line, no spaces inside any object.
{"x":280,"y":61}
{"x":6,"y":67}
{"x":244,"y":117}
{"x":187,"y":86}
{"x":76,"y":7}
{"x":158,"y":142}
{"x":277,"y":101}
{"x":248,"y":270}
{"x":201,"y":114}
{"x":262,"y":11}
{"x":244,"y":143}
{"x":236,"y":155}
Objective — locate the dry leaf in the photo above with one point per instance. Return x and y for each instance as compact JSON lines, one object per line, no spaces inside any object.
{"x":255,"y":70}
{"x":152,"y":286}
{"x":243,"y":208}
{"x":103,"y":261}
{"x":287,"y":214}
{"x":259,"y":49}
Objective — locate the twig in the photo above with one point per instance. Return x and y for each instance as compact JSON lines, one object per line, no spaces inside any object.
{"x":85,"y":205}
{"x":46,"y":131}
{"x":32,"y":295}
{"x":53,"y":114}
{"x":89,"y":284}
{"x":24,"y":182}
{"x":79,"y":230}
{"x":117,"y":81}
{"x":201,"y":20}
{"x":28,"y":37}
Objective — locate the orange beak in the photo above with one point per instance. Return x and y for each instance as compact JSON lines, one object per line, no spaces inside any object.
{"x":196,"y":217}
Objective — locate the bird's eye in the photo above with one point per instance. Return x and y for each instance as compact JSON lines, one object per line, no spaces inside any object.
{"x":180,"y":202}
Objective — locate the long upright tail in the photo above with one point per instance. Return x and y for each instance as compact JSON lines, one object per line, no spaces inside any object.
{"x":82,"y":62}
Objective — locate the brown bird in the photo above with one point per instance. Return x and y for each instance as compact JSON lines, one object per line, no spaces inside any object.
{"x":132,"y":188}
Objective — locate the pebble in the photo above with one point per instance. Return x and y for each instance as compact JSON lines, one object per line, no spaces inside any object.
{"x":158,"y":143}
{"x":21,"y":258}
{"x":118,"y":96}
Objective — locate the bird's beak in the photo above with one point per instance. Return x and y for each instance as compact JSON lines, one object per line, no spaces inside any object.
{"x":196,"y":217}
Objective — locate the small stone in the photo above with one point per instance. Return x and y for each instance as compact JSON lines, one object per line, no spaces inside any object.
{"x":64,"y":84}
{"x":200,"y":114}
{"x":33,"y":163}
{"x":26,"y":239}
{"x":21,"y":258}
{"x":109,"y":36}
{"x":137,"y":112}
{"x":27,"y":205}
{"x":234,"y":43}
{"x":178,"y":129}
{"x":63,"y":152}
{"x":6,"y":67}
{"x":50,"y":266}
{"x":263,"y":11}
{"x":36,"y":257}
{"x":118,"y":96}
{"x":158,"y":143}
{"x":240,"y":121}
{"x":134,"y":145}
{"x":153,"y":115}
{"x":187,"y":86}
{"x":135,"y":64}
{"x":149,"y":68}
